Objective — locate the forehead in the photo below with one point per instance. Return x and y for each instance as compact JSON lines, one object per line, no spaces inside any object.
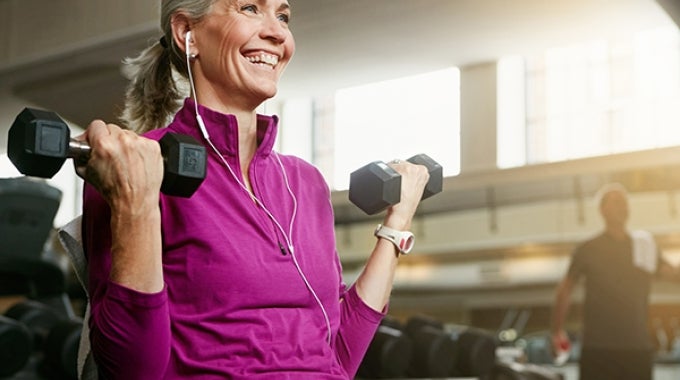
{"x":614,"y":195}
{"x":263,"y":3}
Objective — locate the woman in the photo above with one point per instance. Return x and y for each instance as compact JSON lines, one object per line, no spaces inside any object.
{"x":242,"y":279}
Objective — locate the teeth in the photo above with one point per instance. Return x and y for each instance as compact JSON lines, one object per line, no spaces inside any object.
{"x":267,"y":59}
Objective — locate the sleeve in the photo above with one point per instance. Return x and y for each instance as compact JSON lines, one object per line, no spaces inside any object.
{"x":358,"y":324}
{"x":577,"y":266}
{"x":130,"y":330}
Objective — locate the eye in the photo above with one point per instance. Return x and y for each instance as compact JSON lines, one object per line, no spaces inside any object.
{"x":249,"y":8}
{"x":284,"y":17}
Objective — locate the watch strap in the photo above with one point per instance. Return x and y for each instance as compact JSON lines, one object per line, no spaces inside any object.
{"x":402,"y":240}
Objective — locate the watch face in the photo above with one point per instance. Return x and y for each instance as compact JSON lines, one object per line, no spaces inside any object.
{"x":406,"y":243}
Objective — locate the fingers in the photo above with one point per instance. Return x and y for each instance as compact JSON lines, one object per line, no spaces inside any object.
{"x":123,"y":166}
{"x":414,"y":176}
{"x":80,"y":163}
{"x":413,"y":181}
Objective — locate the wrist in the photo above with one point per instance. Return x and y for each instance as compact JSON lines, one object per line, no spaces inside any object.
{"x":124,"y":218}
{"x":133,"y":209}
{"x":393,"y":220}
{"x":403,"y":241}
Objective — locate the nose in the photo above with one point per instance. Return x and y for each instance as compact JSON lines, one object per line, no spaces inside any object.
{"x":274,"y":29}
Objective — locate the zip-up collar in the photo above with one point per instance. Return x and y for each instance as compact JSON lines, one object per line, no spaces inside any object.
{"x":223,"y":128}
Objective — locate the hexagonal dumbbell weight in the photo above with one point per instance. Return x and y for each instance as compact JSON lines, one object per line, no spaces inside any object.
{"x":376,"y":186}
{"x":39,"y":143}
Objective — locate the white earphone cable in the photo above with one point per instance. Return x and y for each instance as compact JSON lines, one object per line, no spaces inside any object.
{"x":289,"y":236}
{"x":199,"y":119}
{"x":292,"y":251}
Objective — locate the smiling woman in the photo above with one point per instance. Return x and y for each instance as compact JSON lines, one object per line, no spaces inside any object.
{"x":242,"y":279}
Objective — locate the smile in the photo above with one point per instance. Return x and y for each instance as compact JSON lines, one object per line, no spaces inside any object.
{"x":264,"y":59}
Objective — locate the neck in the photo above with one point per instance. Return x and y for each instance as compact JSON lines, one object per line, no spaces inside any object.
{"x":618,"y":232}
{"x":246,"y":118}
{"x":247,"y":139}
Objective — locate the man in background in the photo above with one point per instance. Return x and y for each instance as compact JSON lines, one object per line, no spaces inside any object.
{"x":618,"y":267}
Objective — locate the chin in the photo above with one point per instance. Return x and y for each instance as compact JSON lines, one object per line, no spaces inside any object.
{"x":268,"y":93}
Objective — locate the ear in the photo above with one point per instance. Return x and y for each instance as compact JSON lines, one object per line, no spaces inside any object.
{"x":180,"y":26}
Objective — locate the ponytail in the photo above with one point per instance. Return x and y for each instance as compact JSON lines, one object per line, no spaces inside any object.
{"x":152,"y":95}
{"x":158,"y":75}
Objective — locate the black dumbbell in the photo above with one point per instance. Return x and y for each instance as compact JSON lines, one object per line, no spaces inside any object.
{"x":15,"y":346}
{"x":55,"y":337}
{"x":39,"y":143}
{"x":376,"y":186}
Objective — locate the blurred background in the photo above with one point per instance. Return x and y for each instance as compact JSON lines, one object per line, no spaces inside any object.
{"x":529,"y":106}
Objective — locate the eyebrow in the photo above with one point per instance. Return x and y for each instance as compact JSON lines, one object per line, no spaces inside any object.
{"x":283,"y":6}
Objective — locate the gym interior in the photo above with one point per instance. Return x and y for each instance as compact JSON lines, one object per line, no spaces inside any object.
{"x":529,"y":107}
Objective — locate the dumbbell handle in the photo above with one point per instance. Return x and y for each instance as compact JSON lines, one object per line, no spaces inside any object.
{"x":78,"y":149}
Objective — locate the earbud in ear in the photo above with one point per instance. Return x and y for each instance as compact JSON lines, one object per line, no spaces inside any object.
{"x":187,"y":37}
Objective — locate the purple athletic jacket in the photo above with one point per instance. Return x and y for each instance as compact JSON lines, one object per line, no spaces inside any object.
{"x":234,"y":305}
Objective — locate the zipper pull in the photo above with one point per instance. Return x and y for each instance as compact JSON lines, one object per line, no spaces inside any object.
{"x":283,"y":249}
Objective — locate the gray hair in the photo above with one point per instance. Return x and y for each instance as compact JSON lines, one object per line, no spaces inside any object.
{"x":158,"y":75}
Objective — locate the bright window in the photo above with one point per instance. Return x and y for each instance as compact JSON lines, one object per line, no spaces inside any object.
{"x":596,"y":98}
{"x":396,"y":119}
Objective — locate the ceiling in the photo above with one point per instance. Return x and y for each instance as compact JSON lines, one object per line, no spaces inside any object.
{"x":344,"y":43}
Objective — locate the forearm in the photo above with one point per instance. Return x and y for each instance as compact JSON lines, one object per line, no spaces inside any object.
{"x":561,"y":307}
{"x":136,"y":259}
{"x":374,"y":284}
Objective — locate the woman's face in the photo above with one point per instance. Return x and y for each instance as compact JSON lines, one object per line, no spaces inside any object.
{"x":243,"y":48}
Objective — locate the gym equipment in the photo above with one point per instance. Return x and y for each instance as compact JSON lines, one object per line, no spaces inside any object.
{"x":539,"y":349}
{"x":27,"y":210}
{"x":39,"y":143}
{"x":376,"y":186}
{"x":433,"y":348}
{"x":55,"y":337}
{"x":15,"y":346}
{"x":460,"y":351}
{"x":389,"y":353}
{"x":475,"y":352}
{"x":522,"y":371}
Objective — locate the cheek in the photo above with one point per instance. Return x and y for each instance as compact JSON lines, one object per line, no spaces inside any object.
{"x":291,"y":47}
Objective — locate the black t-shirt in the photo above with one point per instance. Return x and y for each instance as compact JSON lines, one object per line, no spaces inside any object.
{"x":616,"y":294}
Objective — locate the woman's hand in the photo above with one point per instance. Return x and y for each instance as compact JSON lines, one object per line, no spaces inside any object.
{"x":413,"y":180}
{"x":125,"y":168}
